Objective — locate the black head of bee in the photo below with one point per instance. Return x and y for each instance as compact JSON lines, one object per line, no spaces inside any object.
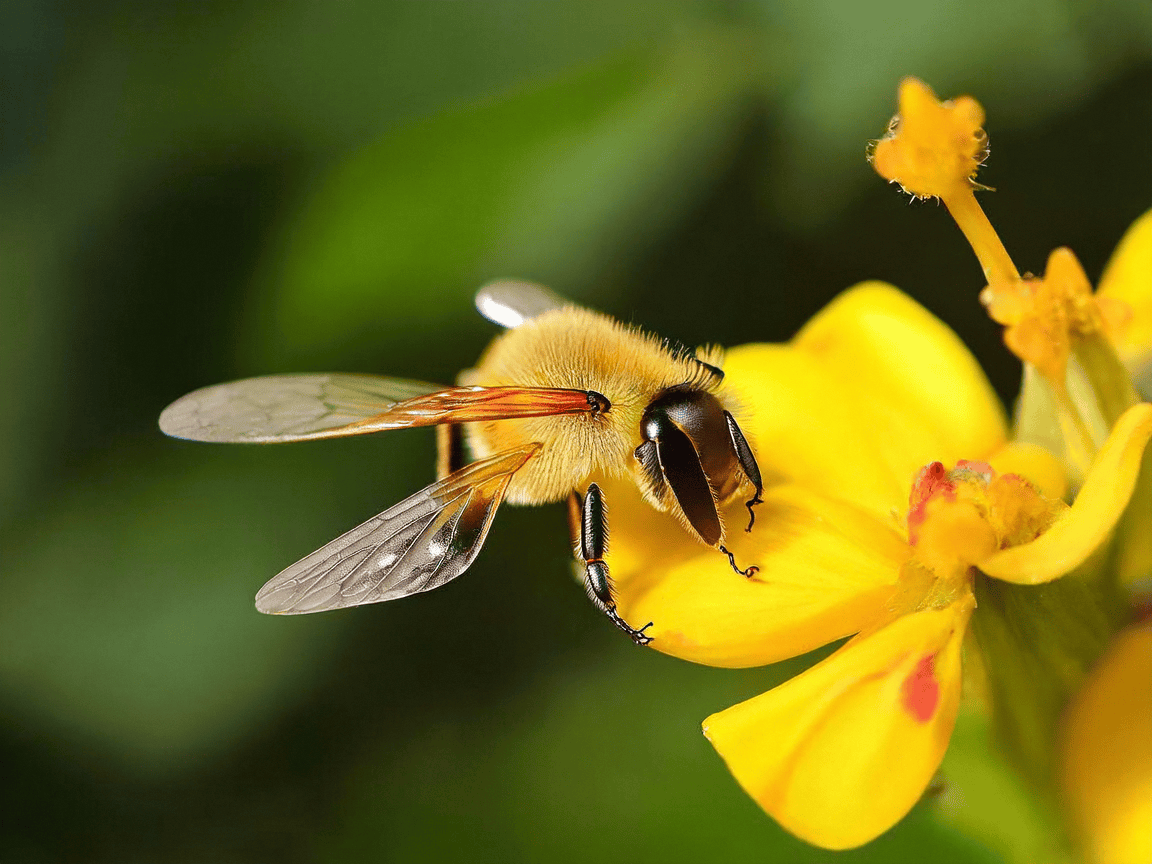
{"x":688,"y":447}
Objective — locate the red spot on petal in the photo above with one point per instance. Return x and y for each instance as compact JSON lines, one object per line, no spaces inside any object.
{"x":921,"y":690}
{"x":931,"y":480}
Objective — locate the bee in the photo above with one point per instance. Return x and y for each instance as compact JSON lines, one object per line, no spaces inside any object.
{"x":563,"y":395}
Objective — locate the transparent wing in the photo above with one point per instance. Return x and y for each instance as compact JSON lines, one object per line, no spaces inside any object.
{"x":420,"y":544}
{"x":510,"y":303}
{"x":306,"y":407}
{"x":285,"y":407}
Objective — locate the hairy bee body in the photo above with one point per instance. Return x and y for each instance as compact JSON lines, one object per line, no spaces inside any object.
{"x":575,"y":348}
{"x":565,"y":398}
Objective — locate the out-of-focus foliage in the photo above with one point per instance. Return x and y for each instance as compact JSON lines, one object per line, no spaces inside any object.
{"x":549,"y":181}
{"x":559,"y":747}
{"x":129,"y":617}
{"x":196,"y":191}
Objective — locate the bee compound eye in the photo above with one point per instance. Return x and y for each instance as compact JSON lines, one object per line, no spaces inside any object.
{"x":598,"y":402}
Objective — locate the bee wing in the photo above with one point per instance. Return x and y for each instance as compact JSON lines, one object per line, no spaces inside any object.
{"x":284,"y":407}
{"x":423,"y":542}
{"x":510,"y":302}
{"x":306,"y":407}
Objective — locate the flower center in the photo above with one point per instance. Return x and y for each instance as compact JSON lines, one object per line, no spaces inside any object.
{"x":958,"y":517}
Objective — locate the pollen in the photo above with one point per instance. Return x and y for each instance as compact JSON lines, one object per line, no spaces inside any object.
{"x":920,"y":693}
{"x":1043,"y":318}
{"x":1018,"y":512}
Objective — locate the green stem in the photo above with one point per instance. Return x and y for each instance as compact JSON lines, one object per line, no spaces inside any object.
{"x":1110,"y":381}
{"x":1037,"y":644}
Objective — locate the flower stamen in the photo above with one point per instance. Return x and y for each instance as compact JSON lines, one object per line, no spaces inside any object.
{"x":933,"y":149}
{"x":999,"y":270}
{"x":958,"y":518}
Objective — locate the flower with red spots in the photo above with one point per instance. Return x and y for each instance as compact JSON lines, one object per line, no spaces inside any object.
{"x":895,"y":495}
{"x":865,"y":530}
{"x":1073,"y":707}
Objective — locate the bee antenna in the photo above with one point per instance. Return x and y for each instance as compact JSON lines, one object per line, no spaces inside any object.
{"x":714,"y":370}
{"x":680,"y":350}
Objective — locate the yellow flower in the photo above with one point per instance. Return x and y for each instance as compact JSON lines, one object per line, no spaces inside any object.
{"x":1087,"y":357}
{"x":1093,"y":352}
{"x":1107,"y":753}
{"x":1043,"y":317}
{"x":873,"y":524}
{"x":1126,"y":289}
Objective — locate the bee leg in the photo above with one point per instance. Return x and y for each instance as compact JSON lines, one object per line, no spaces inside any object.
{"x":748,"y":465}
{"x":598,"y":584}
{"x":450,"y":455}
{"x":593,"y":544}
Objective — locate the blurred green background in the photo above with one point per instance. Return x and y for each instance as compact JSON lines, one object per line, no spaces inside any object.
{"x":198,"y":191}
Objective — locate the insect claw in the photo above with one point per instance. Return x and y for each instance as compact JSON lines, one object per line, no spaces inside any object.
{"x":639,"y":637}
{"x":748,"y":573}
{"x":752,"y":502}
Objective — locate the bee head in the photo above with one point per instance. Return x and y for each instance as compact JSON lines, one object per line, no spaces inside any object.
{"x":687,"y":450}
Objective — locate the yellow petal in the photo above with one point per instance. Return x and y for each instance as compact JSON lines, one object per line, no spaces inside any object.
{"x":1097,"y":508}
{"x":1035,"y":464}
{"x":881,"y":340}
{"x":827,"y":570}
{"x":1106,"y":768}
{"x":1134,"y":536}
{"x":872,"y":389}
{"x":839,"y":754}
{"x":805,"y":428}
{"x":1128,"y":279}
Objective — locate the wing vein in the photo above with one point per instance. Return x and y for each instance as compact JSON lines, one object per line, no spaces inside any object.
{"x":422,"y":542}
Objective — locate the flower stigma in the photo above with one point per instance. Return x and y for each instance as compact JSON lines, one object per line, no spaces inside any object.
{"x":933,"y":149}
